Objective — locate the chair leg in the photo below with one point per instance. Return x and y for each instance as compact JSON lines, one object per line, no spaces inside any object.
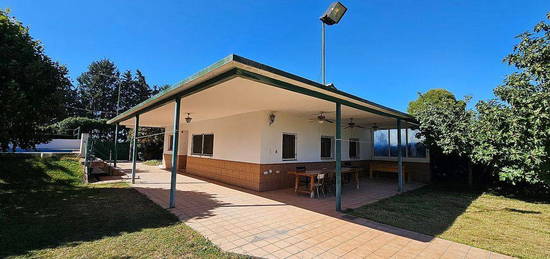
{"x":317,"y":191}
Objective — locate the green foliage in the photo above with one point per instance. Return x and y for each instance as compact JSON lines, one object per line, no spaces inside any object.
{"x":33,"y":88}
{"x":509,"y":135}
{"x":98,"y":89}
{"x":444,"y":122}
{"x":98,"y":127}
{"x":430,"y":97}
{"x":513,"y":130}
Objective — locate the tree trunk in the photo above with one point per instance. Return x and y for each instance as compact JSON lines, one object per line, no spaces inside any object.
{"x":470,"y":175}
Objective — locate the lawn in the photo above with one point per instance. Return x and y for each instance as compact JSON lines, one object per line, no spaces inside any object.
{"x":509,"y":226}
{"x":153,"y":162}
{"x":45,"y":211}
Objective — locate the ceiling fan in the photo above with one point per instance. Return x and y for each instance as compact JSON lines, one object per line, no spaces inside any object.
{"x":352,"y":125}
{"x":321,"y":118}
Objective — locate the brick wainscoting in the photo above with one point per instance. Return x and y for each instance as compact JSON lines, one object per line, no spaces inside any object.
{"x":267,"y":177}
{"x":246,"y":175}
{"x":182,"y":161}
{"x":278,"y":177}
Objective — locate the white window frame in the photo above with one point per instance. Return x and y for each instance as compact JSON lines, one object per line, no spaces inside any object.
{"x":357,"y":148}
{"x":295,"y":146}
{"x":202,"y":145}
{"x":331,"y":148}
{"x":170,"y":142}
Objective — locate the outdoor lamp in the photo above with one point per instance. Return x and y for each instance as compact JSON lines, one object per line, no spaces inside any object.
{"x":334,"y":13}
{"x":331,"y":16}
{"x":188,"y":118}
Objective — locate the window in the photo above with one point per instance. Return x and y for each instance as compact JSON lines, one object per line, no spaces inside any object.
{"x":415,"y":147}
{"x":289,"y":146}
{"x":326,"y":147}
{"x":385,"y":143}
{"x":203,"y":145}
{"x":353,"y":148}
{"x":197,"y":145}
{"x":393,"y":142}
{"x":208,"y":144}
{"x":381,"y":143}
{"x":171,"y":144}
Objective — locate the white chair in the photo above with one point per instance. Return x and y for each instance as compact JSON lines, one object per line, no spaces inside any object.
{"x":320,"y":185}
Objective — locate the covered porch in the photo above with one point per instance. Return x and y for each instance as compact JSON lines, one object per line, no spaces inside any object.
{"x":245,"y":124}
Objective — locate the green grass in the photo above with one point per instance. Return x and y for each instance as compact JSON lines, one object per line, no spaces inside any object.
{"x":153,"y":162}
{"x":509,"y":226}
{"x":45,"y":211}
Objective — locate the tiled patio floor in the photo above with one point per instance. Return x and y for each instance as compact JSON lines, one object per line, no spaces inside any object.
{"x":279,"y":224}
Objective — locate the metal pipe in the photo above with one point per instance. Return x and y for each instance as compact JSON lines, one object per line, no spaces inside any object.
{"x":116,"y":150}
{"x":172,"y":203}
{"x":338,"y":157}
{"x":134,"y":152}
{"x":400,"y":183}
{"x":323,"y":55}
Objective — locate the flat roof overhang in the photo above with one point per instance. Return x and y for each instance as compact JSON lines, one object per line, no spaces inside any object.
{"x":232,"y":67}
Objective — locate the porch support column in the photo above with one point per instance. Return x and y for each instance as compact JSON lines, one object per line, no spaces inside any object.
{"x":400,"y":186}
{"x":338,"y":157}
{"x":134,"y":149}
{"x":175,"y":153}
{"x":115,"y":158}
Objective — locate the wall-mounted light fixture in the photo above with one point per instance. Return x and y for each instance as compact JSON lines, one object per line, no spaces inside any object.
{"x":188,"y":118}
{"x":271,"y":118}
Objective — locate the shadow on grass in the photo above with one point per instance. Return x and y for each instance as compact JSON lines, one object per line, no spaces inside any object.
{"x":40,"y":209}
{"x":429,"y":210}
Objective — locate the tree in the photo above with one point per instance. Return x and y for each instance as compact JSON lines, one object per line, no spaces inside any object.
{"x":133,"y":90}
{"x":514,"y":128}
{"x":33,"y":88}
{"x":429,"y":98}
{"x":98,"y":89}
{"x":446,"y":124}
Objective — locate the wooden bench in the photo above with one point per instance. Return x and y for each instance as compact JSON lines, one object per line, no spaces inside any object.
{"x":387,"y":167}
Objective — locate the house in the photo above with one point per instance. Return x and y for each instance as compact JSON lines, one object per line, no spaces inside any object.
{"x":247,"y":124}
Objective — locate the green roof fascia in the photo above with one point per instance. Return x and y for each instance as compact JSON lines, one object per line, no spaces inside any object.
{"x":291,"y":87}
{"x":130,"y":112}
{"x":257,"y":77}
{"x":267,"y":68}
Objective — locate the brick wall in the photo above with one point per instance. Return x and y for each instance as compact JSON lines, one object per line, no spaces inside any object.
{"x":266,"y":177}
{"x":182,"y":161}
{"x":246,"y":175}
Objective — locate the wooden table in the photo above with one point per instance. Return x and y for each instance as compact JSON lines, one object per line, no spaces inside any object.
{"x":388,"y":168}
{"x":312,"y":175}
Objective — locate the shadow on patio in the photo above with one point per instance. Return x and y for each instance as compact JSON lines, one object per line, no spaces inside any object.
{"x":281,"y":223}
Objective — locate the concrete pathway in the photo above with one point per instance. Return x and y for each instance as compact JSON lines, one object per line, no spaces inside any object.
{"x":251,"y":223}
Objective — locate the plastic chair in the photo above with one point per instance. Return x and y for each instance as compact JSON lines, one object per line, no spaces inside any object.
{"x":320,"y":185}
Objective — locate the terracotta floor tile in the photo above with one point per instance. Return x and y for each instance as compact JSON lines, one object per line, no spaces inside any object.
{"x":278,"y":224}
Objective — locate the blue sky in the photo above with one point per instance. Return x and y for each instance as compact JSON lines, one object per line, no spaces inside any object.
{"x":384,"y":51}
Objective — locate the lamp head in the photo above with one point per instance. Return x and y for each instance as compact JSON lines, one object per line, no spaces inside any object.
{"x":334,"y":13}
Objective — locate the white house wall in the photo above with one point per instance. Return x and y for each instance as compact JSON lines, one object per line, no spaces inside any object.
{"x":308,"y":139}
{"x":182,"y":141}
{"x":236,"y":138}
{"x":248,"y":137}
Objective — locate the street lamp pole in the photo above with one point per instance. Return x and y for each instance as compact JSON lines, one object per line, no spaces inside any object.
{"x":323,"y":53}
{"x":331,"y":16}
{"x":116,"y":127}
